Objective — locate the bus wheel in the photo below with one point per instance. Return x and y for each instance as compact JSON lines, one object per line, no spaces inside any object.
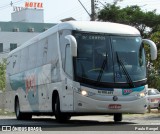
{"x":19,"y":115}
{"x":118,"y":117}
{"x":60,"y":117}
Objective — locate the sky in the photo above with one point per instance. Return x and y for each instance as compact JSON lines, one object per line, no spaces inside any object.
{"x":56,"y":10}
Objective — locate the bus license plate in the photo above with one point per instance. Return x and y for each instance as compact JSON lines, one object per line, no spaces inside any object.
{"x":114,"y":106}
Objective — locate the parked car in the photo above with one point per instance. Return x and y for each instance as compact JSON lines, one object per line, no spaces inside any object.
{"x":153,"y":98}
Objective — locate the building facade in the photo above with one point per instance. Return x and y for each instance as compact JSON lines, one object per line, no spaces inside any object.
{"x":28,"y":15}
{"x":16,"y":32}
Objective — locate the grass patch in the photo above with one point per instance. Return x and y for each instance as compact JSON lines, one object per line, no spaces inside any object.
{"x":4,"y":112}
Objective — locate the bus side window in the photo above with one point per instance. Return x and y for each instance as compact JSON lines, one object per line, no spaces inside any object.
{"x":63,"y":42}
{"x":52,"y":54}
{"x":32,"y":56}
{"x":42,"y":52}
{"x":68,"y":61}
{"x":24,"y":59}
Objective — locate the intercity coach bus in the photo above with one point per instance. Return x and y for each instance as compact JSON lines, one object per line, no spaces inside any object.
{"x":79,"y":68}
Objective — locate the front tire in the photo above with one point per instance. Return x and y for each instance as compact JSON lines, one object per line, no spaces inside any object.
{"x":118,"y":117}
{"x":19,"y":114}
{"x":60,"y":117}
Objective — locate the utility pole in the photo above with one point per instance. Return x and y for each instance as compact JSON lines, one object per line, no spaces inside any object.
{"x":93,"y":14}
{"x":84,"y":8}
{"x":93,"y":17}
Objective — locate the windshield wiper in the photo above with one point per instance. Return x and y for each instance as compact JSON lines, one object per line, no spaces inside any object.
{"x":102,"y":69}
{"x":125,"y":71}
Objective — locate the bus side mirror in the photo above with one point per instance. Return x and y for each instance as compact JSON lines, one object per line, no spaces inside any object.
{"x":73,"y":44}
{"x":153,"y":48}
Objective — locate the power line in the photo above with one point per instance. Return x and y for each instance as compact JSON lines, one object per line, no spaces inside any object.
{"x":148,"y":3}
{"x":92,"y":14}
{"x":76,"y":11}
{"x":10,"y":4}
{"x":124,"y":2}
{"x":84,"y":8}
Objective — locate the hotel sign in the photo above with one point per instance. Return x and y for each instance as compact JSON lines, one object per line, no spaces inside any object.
{"x":35,"y":5}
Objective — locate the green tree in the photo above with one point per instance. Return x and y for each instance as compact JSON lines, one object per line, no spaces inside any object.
{"x":154,"y":69}
{"x":3,"y":75}
{"x":147,"y":22}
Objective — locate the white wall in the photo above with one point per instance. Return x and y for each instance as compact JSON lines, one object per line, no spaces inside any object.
{"x":13,"y":37}
{"x":28,"y":15}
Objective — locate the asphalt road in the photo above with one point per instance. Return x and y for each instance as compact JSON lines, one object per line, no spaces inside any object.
{"x":131,"y":122}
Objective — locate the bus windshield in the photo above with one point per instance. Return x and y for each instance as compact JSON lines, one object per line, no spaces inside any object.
{"x":110,"y":59}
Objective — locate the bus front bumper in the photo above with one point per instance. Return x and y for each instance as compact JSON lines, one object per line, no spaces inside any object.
{"x":87,"y":104}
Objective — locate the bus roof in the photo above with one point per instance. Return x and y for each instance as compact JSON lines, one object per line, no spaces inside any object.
{"x":99,"y":27}
{"x":87,"y":26}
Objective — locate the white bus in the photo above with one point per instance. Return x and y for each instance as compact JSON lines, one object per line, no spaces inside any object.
{"x":79,"y":68}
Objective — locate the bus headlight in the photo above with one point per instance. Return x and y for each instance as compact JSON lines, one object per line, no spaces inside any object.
{"x":84,"y":93}
{"x":141,"y":94}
